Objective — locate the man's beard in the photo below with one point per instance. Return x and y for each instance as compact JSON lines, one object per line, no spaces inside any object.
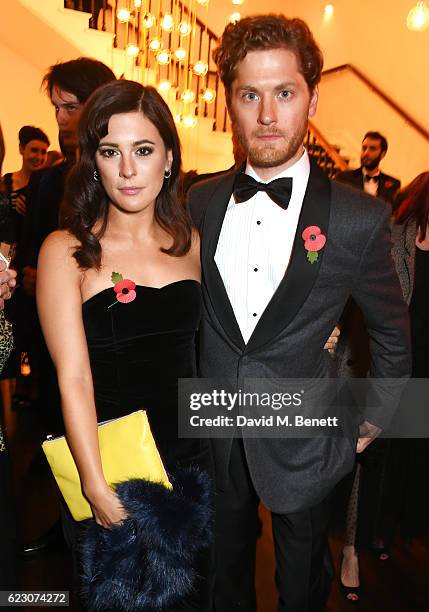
{"x":371,"y":165}
{"x":266,"y":155}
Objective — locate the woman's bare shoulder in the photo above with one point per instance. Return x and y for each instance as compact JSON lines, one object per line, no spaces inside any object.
{"x":59,"y":246}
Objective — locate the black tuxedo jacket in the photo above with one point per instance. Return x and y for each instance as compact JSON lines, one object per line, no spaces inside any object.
{"x":293,"y":474}
{"x":387,"y":185}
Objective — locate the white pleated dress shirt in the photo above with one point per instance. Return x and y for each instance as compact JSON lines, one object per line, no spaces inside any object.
{"x":370,"y":187}
{"x":255,"y":245}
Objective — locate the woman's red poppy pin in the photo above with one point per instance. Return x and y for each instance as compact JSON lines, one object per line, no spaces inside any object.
{"x":124,"y":289}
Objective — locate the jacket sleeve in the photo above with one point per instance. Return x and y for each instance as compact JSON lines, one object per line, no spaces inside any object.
{"x":377,"y":292}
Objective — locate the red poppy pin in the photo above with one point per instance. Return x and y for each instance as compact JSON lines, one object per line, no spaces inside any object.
{"x":314,"y":241}
{"x":124,"y":289}
{"x":388,"y":184}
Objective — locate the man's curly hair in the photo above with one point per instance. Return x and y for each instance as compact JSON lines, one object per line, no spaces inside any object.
{"x":261,"y":32}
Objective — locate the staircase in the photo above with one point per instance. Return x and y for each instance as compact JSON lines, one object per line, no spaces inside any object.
{"x":212,"y":133}
{"x":52,"y":32}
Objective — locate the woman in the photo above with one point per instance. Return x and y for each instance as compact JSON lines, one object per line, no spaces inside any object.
{"x":411,"y":253}
{"x":7,"y":511}
{"x":372,"y":506}
{"x":33,"y":147}
{"x":120,"y":347}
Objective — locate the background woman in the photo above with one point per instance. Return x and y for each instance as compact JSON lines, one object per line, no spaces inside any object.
{"x":33,"y":147}
{"x":118,"y":292}
{"x":410,"y":234}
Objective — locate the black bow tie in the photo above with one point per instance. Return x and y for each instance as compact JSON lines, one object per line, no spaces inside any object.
{"x":375,"y":178}
{"x":279,"y":190}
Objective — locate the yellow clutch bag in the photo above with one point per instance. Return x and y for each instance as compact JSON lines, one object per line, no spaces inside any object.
{"x":127,"y":450}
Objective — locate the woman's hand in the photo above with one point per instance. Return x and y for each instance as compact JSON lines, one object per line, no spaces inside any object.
{"x":332,"y":341}
{"x":7,"y":283}
{"x":21,"y":205}
{"x":107,"y":508}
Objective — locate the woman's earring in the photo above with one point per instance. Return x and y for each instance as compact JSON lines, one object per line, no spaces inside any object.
{"x":96,"y":176}
{"x":167,"y":173}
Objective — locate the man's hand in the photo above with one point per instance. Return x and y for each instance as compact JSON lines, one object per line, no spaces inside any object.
{"x":367,"y":433}
{"x":29,"y":277}
{"x":332,"y":341}
{"x":7,"y":283}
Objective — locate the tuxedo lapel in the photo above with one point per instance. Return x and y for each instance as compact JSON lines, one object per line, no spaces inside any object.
{"x":212,"y":225}
{"x":300,"y":275}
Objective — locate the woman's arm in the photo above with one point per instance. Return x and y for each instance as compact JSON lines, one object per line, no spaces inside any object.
{"x":59,"y":304}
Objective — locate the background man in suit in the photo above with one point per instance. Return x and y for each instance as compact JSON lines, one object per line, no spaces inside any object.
{"x":269,"y":310}
{"x":369,"y":176}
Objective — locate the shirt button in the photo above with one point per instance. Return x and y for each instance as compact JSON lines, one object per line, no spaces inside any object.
{"x":254,"y":314}
{"x":255,"y":269}
{"x":258,"y":222}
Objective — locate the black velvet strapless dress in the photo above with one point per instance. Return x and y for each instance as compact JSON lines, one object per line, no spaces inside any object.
{"x":138,"y":350}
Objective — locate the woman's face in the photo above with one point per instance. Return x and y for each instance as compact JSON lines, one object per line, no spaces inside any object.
{"x":131,"y":160}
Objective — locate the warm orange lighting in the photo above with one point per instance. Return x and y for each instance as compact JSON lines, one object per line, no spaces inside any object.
{"x":234,"y":17}
{"x":137,"y":3}
{"x":237,"y":2}
{"x":203,"y":2}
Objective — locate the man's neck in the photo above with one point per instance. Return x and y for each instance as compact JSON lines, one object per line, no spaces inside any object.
{"x":373,"y":172}
{"x":266,"y":174}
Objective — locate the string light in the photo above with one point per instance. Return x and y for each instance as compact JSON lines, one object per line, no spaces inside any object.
{"x":234,"y":17}
{"x":328,"y":11}
{"x":418,"y":17}
{"x":164,"y":86}
{"x":185,"y":28}
{"x":133,"y":50}
{"x":187,"y":96}
{"x":180,"y":53}
{"x":200,"y":68}
{"x":209,"y":96}
{"x":123,"y":15}
{"x":155,"y":44}
{"x":167,"y":23}
{"x":149,"y":21}
{"x":189,"y":121}
{"x":163,"y":57}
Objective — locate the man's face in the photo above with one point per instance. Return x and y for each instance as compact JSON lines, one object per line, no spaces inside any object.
{"x":269,"y":105}
{"x":34,"y":155}
{"x":67,"y":112}
{"x":371,"y":154}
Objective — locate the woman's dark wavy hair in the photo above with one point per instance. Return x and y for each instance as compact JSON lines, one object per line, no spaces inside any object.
{"x":85,"y":201}
{"x":412,"y":204}
{"x":262,"y":32}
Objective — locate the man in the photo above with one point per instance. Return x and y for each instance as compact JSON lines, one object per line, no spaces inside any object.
{"x":268,"y":310}
{"x":369,"y":176}
{"x":68,"y":85}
